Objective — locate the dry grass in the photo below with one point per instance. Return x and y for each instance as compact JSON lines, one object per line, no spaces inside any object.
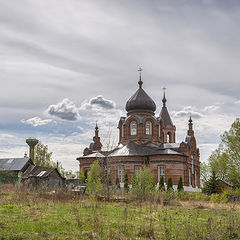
{"x":27,"y":213}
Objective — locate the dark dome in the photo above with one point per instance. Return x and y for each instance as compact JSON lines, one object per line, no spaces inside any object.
{"x":140,"y":101}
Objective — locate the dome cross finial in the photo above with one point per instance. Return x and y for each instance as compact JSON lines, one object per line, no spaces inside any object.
{"x":164,"y":100}
{"x":140,"y":82}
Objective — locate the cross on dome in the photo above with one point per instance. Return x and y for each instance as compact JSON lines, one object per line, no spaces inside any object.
{"x":140,"y":82}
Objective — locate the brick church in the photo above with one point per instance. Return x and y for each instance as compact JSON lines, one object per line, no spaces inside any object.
{"x":148,"y":140}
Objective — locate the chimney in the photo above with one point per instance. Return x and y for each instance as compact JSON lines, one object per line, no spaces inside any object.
{"x":32,"y":142}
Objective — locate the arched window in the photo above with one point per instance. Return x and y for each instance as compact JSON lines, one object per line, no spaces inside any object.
{"x":148,"y":128}
{"x":168,"y":137}
{"x":133,"y":128}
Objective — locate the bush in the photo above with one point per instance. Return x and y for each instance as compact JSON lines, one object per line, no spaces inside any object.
{"x":126,"y":182}
{"x":169,"y":184}
{"x":143,"y":184}
{"x":94,"y":184}
{"x":161,"y":184}
{"x":180,"y":184}
{"x":211,"y":186}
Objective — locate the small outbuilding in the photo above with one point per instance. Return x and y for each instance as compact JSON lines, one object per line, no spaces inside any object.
{"x":43,"y":176}
{"x":224,"y":185}
{"x":11,"y":169}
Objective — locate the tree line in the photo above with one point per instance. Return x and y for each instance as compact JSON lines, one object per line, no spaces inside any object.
{"x":224,"y":162}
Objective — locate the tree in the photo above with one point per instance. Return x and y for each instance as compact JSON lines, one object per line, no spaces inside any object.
{"x":204,"y":172}
{"x":85,"y":175}
{"x":180,"y":184}
{"x":211,"y":186}
{"x":143,"y":183}
{"x":225,"y":161}
{"x":82,"y":177}
{"x":169,"y":184}
{"x":94,"y":184}
{"x":69,"y":174}
{"x":42,"y":156}
{"x":126,"y":182}
{"x":161,"y":184}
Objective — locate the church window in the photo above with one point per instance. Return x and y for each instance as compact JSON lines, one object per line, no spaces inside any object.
{"x":137,"y":169}
{"x":122,"y":130}
{"x":133,"y":128}
{"x":168,"y":137}
{"x":190,"y":179}
{"x":121,"y":174}
{"x":148,"y":128}
{"x":161,"y":172}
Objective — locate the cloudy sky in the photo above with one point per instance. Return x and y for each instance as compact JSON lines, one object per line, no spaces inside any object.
{"x":65,"y":64}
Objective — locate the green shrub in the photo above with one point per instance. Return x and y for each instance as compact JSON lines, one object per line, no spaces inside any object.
{"x":180,"y":184}
{"x":94,"y":184}
{"x":169,"y":184}
{"x":219,"y":198}
{"x":143,"y":184}
{"x":126,"y":182}
{"x":161,"y":184}
{"x":211,"y":186}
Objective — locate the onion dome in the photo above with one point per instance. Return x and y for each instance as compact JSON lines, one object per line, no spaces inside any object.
{"x":140,"y":101}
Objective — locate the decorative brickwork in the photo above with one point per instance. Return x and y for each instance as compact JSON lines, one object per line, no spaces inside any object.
{"x":148,"y":141}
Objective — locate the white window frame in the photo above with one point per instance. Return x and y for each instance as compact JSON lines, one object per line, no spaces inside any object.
{"x":148,"y":129}
{"x":133,"y":128}
{"x":161,"y":172}
{"x":137,"y":169}
{"x":121,"y":174}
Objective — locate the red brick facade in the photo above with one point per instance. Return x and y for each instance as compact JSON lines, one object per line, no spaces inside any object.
{"x":147,"y":140}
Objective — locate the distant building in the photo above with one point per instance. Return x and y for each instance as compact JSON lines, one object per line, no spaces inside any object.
{"x":223,"y":185}
{"x":11,"y":169}
{"x":148,"y":140}
{"x":43,"y":176}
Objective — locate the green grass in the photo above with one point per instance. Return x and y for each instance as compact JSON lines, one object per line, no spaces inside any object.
{"x":36,"y":216}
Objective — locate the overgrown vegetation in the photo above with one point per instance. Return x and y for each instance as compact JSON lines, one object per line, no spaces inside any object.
{"x":225,"y":160}
{"x":143,"y":184}
{"x":61,"y":215}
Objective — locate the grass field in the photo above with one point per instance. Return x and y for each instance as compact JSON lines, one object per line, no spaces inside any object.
{"x":25,"y":215}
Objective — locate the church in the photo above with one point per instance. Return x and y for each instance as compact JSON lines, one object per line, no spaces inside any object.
{"x":147,"y":140}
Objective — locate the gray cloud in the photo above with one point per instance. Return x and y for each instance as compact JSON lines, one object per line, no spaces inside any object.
{"x":81,"y":49}
{"x":65,"y":110}
{"x":102,"y":102}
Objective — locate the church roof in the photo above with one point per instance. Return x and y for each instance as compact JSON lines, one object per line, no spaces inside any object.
{"x":134,"y":149}
{"x":94,"y":155}
{"x":164,"y":115}
{"x":140,"y":101}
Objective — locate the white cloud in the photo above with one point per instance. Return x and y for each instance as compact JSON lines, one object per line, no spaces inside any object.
{"x":237,"y":102}
{"x":65,"y":110}
{"x":36,"y":121}
{"x":186,"y":112}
